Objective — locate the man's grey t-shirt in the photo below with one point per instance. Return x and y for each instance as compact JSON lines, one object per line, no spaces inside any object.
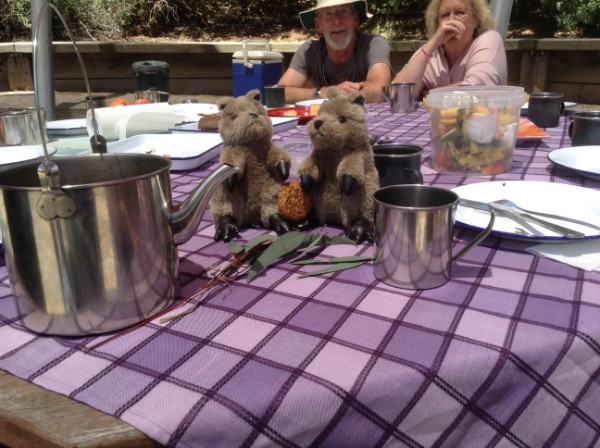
{"x":311,"y":60}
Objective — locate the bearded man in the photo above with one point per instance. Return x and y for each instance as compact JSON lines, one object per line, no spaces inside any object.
{"x":342,"y":56}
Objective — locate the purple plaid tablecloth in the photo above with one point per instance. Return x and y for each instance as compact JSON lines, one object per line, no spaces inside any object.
{"x":506,"y":354}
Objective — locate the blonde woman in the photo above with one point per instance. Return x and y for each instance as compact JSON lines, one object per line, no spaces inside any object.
{"x":464,"y":48}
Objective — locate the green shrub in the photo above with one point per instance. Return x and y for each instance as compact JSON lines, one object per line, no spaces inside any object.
{"x":232,"y":19}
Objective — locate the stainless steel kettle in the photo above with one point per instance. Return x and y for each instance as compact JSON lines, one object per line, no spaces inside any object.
{"x":108,"y":258}
{"x":90,"y":241}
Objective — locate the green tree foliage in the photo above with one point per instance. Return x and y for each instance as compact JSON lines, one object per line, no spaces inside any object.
{"x":231,"y":19}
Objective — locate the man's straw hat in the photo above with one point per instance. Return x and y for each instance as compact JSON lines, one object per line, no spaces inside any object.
{"x":307,"y":18}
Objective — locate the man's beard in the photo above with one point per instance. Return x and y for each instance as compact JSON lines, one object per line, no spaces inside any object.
{"x":336,"y":44}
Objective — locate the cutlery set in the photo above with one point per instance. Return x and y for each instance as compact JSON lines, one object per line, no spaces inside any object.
{"x":525,"y":218}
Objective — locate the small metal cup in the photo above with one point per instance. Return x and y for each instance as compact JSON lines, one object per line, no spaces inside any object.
{"x":400,"y":96}
{"x":398,"y":164}
{"x":152,"y":95}
{"x":413,"y":235}
{"x":545,"y":108}
{"x":22,"y":127}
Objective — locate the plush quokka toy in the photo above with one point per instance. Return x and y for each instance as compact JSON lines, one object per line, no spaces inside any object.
{"x":340,"y":172}
{"x":248,"y":197}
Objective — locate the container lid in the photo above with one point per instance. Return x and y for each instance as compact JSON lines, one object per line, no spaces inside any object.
{"x":464,"y":96}
{"x":258,"y":55}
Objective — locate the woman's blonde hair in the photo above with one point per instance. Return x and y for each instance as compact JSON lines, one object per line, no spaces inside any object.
{"x":480,"y":8}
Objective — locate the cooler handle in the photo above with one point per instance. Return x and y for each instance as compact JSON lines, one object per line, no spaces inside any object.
{"x":245,"y":44}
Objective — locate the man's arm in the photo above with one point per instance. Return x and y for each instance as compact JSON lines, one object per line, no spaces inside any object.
{"x":379,"y":75}
{"x":297,"y":86}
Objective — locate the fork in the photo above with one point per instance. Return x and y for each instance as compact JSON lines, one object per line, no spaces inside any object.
{"x":519,"y":215}
{"x":511,"y":204}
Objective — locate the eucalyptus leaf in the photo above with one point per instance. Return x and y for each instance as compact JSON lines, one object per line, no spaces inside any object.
{"x":334,"y":268}
{"x":234,"y":248}
{"x":280,"y":247}
{"x":341,"y":240}
{"x":335,"y":260}
{"x":259,"y":240}
{"x":319,"y":237}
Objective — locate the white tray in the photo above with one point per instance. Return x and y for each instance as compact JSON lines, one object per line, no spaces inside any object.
{"x":280,"y":124}
{"x":186,"y":151}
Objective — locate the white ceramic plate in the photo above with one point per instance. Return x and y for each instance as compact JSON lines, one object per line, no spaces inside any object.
{"x":309,"y":103}
{"x":15,"y":154}
{"x":280,"y":124}
{"x":74,"y":126}
{"x":585,"y":160}
{"x":546,"y":197}
{"x":186,"y":152}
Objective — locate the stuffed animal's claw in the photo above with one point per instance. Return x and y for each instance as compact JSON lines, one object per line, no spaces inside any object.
{"x":226,"y":229}
{"x":348,"y":184}
{"x":312,"y":220}
{"x":306,"y":182}
{"x":230,"y":182}
{"x":360,"y":231}
{"x":283,"y":169}
{"x":279,"y":224}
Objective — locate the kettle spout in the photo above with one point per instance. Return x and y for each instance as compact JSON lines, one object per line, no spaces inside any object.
{"x":186,"y":216}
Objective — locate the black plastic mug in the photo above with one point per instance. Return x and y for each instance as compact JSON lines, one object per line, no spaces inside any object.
{"x":398,"y":163}
{"x":584,"y":130}
{"x":274,"y":96}
{"x":545,"y":108}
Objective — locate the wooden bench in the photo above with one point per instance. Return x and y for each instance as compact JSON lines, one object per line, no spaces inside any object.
{"x":565,"y":65}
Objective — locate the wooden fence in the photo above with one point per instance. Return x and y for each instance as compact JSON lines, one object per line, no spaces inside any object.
{"x":564,"y":65}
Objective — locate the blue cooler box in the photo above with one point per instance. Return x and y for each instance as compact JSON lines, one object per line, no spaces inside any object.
{"x":255,"y":69}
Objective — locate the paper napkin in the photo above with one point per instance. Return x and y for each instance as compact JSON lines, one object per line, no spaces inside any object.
{"x":580,"y":254}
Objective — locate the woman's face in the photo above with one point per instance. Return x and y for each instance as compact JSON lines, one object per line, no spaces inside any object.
{"x":461,"y":11}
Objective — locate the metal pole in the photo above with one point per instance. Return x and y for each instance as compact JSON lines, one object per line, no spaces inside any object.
{"x":44,"y":66}
{"x":501,"y":11}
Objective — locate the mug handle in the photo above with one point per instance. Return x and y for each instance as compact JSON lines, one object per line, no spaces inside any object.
{"x":562,"y":107}
{"x":571,"y":128}
{"x":416,"y":174}
{"x":485,"y":232}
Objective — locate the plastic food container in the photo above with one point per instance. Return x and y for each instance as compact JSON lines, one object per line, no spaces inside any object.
{"x":474,"y":128}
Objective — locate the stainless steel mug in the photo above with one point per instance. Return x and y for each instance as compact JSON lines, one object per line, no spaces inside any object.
{"x":400,"y":96}
{"x":20,"y":127}
{"x":398,"y":164}
{"x":545,"y":108}
{"x":38,"y":130}
{"x":152,"y":95}
{"x":274,"y":96}
{"x":413,"y":235}
{"x":585,"y":128}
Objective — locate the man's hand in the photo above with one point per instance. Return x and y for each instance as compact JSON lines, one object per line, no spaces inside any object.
{"x":349,"y":87}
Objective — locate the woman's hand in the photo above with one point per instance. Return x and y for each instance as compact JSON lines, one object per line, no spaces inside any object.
{"x":448,"y":30}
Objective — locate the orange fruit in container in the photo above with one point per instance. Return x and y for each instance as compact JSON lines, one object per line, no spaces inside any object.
{"x":118,"y":102}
